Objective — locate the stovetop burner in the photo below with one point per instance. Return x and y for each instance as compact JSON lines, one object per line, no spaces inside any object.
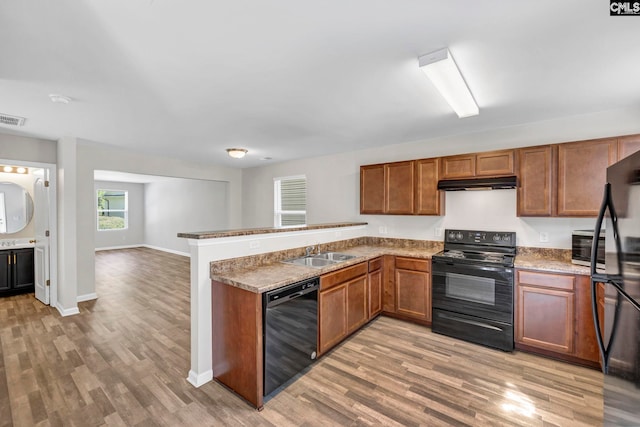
{"x":479,"y":247}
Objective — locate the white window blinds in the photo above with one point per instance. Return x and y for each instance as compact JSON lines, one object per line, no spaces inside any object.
{"x":290,"y":201}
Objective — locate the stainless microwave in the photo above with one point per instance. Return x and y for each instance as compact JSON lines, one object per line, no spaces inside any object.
{"x":581,"y":243}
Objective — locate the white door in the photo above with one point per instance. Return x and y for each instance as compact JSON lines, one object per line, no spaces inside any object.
{"x":41,"y":251}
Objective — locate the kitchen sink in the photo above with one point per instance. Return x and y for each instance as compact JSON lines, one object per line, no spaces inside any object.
{"x":334,"y":256}
{"x":320,"y":260}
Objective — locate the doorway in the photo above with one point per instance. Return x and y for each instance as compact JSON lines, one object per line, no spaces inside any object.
{"x":39,"y":181}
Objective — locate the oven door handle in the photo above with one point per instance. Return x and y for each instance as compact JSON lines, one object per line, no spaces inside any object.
{"x":470,"y":322}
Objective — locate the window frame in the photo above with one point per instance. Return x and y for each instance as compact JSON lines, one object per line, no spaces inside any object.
{"x":277,"y":201}
{"x":125,"y":210}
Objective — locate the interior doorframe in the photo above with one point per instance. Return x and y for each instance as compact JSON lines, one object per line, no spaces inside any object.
{"x":53,"y":222}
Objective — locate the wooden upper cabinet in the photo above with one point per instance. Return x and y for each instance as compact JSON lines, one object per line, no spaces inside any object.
{"x":388,"y":188}
{"x":398,"y":188}
{"x":372,"y":184}
{"x":428,"y":199}
{"x":628,"y":145}
{"x":455,"y":167}
{"x":536,"y":190}
{"x":582,"y":170}
{"x":495,"y":163}
{"x":490,"y":163}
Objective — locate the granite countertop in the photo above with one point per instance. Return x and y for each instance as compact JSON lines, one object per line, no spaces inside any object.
{"x":550,"y":265}
{"x":266,"y":230}
{"x":271,"y":276}
{"x":265,"y":273}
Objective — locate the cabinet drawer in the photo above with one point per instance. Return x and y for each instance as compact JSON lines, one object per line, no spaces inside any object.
{"x":344,"y":275}
{"x":413,"y":264}
{"x":546,"y":280}
{"x":375,"y":264}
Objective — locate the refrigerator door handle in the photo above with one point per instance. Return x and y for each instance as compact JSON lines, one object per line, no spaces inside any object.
{"x":601,"y":278}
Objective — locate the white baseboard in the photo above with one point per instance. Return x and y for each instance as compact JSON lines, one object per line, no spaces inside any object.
{"x":87,"y":297}
{"x":110,"y":248}
{"x":157,"y":248}
{"x":200,"y":379}
{"x":67,"y":311}
{"x":171,"y":251}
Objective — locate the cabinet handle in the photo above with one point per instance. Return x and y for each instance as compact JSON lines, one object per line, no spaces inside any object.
{"x":14,"y":259}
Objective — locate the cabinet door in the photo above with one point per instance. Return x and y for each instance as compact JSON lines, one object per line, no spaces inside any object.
{"x":627,"y":145}
{"x":388,"y":284}
{"x":5,"y":270}
{"x":23,"y":268}
{"x":375,"y":293}
{"x":399,"y":185}
{"x":545,"y":311}
{"x":495,"y":163}
{"x":582,"y":171}
{"x":586,"y":341}
{"x":357,"y":303}
{"x":372,"y":189}
{"x":413,"y":294}
{"x":429,"y":201}
{"x":463,"y":166}
{"x":536,"y":194}
{"x":332,"y":313}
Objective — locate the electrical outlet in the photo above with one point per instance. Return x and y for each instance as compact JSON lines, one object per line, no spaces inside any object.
{"x":544,"y":237}
{"x":382,"y":229}
{"x":438,"y":232}
{"x":254,"y":244}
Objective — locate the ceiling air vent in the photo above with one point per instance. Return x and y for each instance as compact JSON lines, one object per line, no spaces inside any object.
{"x":6,"y":119}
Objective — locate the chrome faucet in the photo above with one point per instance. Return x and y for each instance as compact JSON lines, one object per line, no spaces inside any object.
{"x":309,"y":249}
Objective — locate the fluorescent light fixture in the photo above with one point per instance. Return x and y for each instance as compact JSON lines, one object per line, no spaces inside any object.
{"x":237,"y":153}
{"x":445,"y":75}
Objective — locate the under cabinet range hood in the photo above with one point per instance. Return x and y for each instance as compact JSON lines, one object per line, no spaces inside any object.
{"x":499,"y":183}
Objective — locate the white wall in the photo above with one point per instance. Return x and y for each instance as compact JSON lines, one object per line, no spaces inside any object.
{"x":133,"y":235}
{"x":179,"y":205}
{"x":333,"y":182}
{"x":27,"y":149}
{"x":93,"y":157}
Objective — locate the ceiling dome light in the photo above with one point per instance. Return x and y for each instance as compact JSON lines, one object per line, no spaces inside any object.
{"x":237,"y":153}
{"x":21,"y":170}
{"x":59,"y":99}
{"x":7,"y":169}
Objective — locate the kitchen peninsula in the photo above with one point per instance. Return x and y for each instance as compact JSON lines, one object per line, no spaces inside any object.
{"x":386,"y":275}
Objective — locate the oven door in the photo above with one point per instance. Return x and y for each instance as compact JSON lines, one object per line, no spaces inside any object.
{"x":481,"y":291}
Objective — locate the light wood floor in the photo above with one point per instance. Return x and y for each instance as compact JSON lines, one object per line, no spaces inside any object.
{"x":123,"y":361}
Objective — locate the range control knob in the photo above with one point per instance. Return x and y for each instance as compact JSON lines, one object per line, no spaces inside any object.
{"x":506,"y":238}
{"x":452,"y":235}
{"x":496,"y":237}
{"x":459,"y":236}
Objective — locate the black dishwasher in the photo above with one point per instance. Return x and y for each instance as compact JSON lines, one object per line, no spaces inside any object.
{"x":290,"y":331}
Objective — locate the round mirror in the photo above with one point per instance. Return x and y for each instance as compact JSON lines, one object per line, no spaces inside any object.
{"x":16,"y":208}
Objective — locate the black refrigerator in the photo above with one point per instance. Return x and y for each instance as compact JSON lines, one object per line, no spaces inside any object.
{"x":617,"y":317}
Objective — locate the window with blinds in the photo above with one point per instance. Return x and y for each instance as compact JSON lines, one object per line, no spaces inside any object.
{"x":290,"y":201}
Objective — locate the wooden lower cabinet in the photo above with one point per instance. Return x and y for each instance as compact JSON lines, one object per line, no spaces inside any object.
{"x":332,"y":313}
{"x":237,"y":357}
{"x":342,"y":304}
{"x":553,"y":316}
{"x":17,"y":274}
{"x":413,"y":288}
{"x":375,"y":287}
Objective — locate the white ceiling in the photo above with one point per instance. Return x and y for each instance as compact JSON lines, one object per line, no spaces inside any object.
{"x":289,"y":79}
{"x":115,"y":176}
